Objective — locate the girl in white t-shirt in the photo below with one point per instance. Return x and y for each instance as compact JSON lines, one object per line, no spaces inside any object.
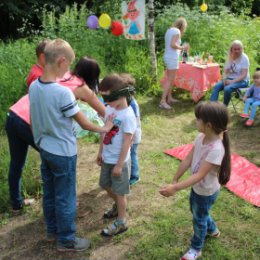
{"x":209,"y":161}
{"x":171,"y":59}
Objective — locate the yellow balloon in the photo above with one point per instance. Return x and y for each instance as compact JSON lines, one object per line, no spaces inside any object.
{"x":203,"y":7}
{"x":104,"y":21}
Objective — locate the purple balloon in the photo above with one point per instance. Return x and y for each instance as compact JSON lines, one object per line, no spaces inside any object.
{"x":92,"y":22}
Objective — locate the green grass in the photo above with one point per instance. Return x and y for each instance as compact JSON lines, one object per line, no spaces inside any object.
{"x":160,"y":228}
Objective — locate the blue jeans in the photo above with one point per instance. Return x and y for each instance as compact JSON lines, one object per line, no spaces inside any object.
{"x":59,"y":194}
{"x":134,"y":162}
{"x":227,"y":90}
{"x":19,"y":136}
{"x":202,"y":221}
{"x":255,"y":104}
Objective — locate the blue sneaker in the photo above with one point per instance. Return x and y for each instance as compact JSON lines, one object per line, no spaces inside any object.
{"x":134,"y":181}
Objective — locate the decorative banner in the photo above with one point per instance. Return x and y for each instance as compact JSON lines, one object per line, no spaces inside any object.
{"x":92,"y":22}
{"x":134,"y":19}
{"x":117,"y":28}
{"x":104,"y":21}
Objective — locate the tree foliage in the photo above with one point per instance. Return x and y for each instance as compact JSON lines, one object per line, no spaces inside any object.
{"x":15,"y":13}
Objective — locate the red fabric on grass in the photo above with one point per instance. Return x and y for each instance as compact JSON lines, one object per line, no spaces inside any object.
{"x":245,"y":176}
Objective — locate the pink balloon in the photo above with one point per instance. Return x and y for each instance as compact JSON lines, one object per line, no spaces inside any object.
{"x":92,"y":22}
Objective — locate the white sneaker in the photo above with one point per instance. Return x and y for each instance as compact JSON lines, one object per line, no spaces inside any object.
{"x":192,"y":254}
{"x":28,"y":202}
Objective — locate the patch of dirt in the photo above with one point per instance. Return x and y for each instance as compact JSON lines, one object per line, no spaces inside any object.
{"x":23,"y":237}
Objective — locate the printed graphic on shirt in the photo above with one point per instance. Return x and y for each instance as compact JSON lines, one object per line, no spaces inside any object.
{"x":109,"y":136}
{"x":115,"y":129}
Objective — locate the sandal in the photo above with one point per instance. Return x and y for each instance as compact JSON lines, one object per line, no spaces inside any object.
{"x":111,"y":213}
{"x":165,"y":106}
{"x":115,"y":229}
{"x":173,"y":101}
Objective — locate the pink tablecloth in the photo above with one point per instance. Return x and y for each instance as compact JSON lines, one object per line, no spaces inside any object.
{"x":196,"y":78}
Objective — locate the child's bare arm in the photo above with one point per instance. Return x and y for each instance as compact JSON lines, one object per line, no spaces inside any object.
{"x":184,"y":166}
{"x":171,"y":189}
{"x":99,"y":156}
{"x":126,"y":146}
{"x":81,"y":119}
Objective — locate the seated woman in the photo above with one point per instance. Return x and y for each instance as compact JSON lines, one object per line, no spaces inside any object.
{"x":235,"y":75}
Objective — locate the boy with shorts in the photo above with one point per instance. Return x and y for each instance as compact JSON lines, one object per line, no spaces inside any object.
{"x":52,"y":110}
{"x":114,"y":151}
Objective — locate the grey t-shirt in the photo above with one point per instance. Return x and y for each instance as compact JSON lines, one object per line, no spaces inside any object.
{"x":235,"y":67}
{"x":51,"y":108}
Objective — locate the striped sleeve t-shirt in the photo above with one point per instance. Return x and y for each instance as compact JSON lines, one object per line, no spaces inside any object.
{"x":52,"y":108}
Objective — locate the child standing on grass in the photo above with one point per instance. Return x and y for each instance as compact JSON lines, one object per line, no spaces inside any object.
{"x":114,"y":151}
{"x":134,"y":178}
{"x":52,"y":110}
{"x":209,"y":160}
{"x":37,"y":69}
{"x":252,"y":98}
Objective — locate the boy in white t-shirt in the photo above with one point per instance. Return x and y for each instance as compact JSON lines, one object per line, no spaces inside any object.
{"x":114,"y":151}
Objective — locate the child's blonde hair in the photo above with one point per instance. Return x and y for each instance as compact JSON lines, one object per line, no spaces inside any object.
{"x":181,"y":24}
{"x":58,"y":48}
{"x":256,"y":75}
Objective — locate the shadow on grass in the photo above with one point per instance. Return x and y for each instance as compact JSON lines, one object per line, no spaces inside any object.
{"x":28,"y":241}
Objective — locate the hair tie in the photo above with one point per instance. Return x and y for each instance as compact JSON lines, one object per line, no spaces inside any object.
{"x":225,"y":131}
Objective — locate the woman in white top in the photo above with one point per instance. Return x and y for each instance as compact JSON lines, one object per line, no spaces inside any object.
{"x":171,"y":59}
{"x":236,"y":73}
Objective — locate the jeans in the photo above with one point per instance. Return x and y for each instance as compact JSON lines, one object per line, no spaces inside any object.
{"x":202,"y":221}
{"x":59,"y":194}
{"x":227,"y":90}
{"x":255,"y":103}
{"x":19,"y":136}
{"x":134,"y":162}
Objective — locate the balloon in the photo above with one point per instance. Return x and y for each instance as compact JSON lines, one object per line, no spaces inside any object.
{"x":203,"y":7}
{"x":92,"y":22}
{"x":104,"y":21}
{"x":117,"y":28}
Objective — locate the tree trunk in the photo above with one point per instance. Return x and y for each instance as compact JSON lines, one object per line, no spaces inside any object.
{"x":152,"y":40}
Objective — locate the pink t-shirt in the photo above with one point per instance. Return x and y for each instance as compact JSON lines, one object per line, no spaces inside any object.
{"x":212,"y":153}
{"x":35,"y":73}
{"x":22,"y":107}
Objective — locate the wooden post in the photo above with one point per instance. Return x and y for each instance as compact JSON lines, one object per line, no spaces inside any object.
{"x":151,"y":39}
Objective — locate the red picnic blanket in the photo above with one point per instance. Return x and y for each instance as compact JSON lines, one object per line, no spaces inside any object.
{"x":245,"y":176}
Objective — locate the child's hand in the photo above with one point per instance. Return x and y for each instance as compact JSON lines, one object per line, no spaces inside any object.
{"x":99,"y":160}
{"x":244,"y":98}
{"x":109,"y":123}
{"x":168,"y":190}
{"x":117,"y":170}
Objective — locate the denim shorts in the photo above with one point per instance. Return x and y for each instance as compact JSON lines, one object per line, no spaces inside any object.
{"x":120,"y":185}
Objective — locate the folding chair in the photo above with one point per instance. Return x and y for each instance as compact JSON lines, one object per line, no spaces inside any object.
{"x":237,"y":97}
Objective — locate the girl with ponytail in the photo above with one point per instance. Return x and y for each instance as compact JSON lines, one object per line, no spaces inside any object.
{"x":209,"y":161}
